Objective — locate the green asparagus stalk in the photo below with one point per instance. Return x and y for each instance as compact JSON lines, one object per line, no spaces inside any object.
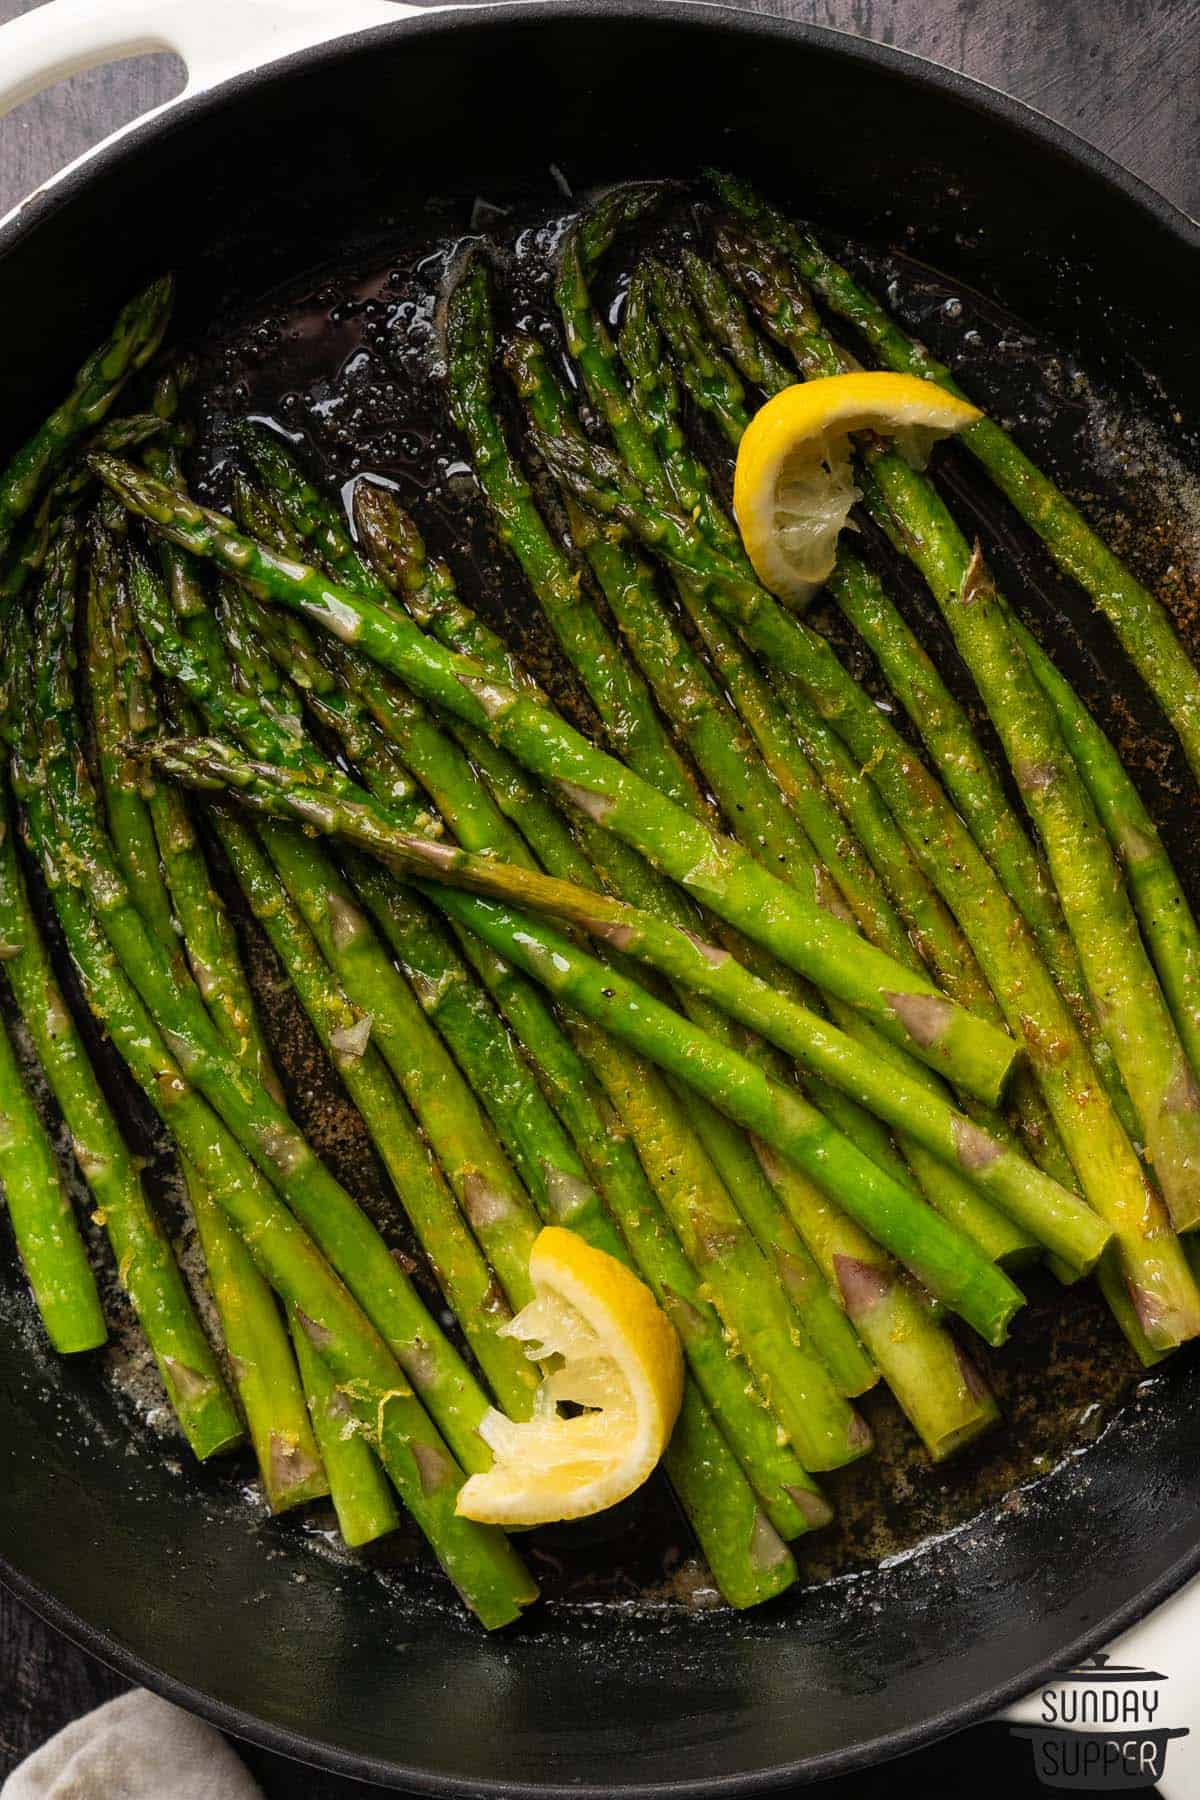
{"x":313,"y":522}
{"x":968,"y":773}
{"x":641,"y":430}
{"x":477,"y":1559}
{"x":497,"y":1208}
{"x":44,"y":1225}
{"x":946,"y":1402}
{"x":743,"y":1545}
{"x":681,"y":683}
{"x":361,"y":1496}
{"x":28,"y":556}
{"x":1138,"y":617}
{"x":260,"y":1356}
{"x":426,"y":586}
{"x":134,"y":339}
{"x":940,"y":1258}
{"x":981,"y":799}
{"x":828,"y":1325}
{"x":744,"y":1586}
{"x":1103,"y":1157}
{"x":562,"y":1183}
{"x":145,"y":1262}
{"x":256,"y":1340}
{"x":1164,"y":911}
{"x":359,"y":1490}
{"x":726,"y":878}
{"x":457,"y":825}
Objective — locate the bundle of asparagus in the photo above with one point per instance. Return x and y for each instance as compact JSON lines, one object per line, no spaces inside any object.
{"x":824,"y":1039}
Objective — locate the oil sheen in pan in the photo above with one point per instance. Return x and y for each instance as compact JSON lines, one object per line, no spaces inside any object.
{"x":346,"y":365}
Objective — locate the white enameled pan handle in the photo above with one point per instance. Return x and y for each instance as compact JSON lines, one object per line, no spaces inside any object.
{"x":216,"y":40}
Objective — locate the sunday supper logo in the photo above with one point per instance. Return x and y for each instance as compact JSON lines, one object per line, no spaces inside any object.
{"x":1101,"y":1726}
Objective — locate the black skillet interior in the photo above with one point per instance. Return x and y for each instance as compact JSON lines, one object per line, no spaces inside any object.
{"x":617,"y":1682}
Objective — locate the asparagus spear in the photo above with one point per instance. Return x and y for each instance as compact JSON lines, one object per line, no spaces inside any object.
{"x":1168,"y":923}
{"x":1103,"y":1157}
{"x":497,"y":1208}
{"x":634,"y":730}
{"x":310,"y":519}
{"x":28,"y":557}
{"x":947,"y":1263}
{"x":940,"y":1433}
{"x":744,"y":1586}
{"x":968,"y":773}
{"x":1139,"y":619}
{"x":260,"y":1356}
{"x":820,"y":1425}
{"x":931,"y":1388}
{"x":742,"y":1544}
{"x":359,"y":1490}
{"x":426,"y":587}
{"x":44,"y":1225}
{"x":361,"y":1496}
{"x":725,"y":877}
{"x":134,"y":339}
{"x":981,"y":798}
{"x":947,"y":1402}
{"x":681,"y":683}
{"x":256,"y":1339}
{"x":354,"y":1479}
{"x":748,"y":1560}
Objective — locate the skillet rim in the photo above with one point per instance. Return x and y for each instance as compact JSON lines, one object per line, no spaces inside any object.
{"x":922,"y":73}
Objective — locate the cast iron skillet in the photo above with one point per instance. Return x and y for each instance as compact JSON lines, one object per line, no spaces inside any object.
{"x":165,"y":1572}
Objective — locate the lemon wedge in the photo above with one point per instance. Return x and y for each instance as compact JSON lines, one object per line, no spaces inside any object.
{"x":611,"y":1352}
{"x":794,"y":484}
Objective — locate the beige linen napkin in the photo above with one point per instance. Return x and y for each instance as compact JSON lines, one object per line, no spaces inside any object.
{"x":138,"y":1747}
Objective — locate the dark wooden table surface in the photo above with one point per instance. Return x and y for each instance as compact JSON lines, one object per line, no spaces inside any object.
{"x":1124,"y":74}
